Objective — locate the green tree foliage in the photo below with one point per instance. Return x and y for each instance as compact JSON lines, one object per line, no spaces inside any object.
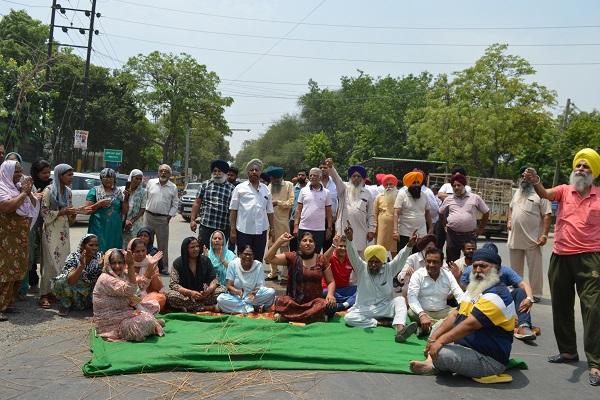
{"x":487,"y":117}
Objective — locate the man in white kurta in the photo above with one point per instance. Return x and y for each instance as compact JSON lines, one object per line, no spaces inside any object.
{"x":375,"y":290}
{"x":355,"y":205}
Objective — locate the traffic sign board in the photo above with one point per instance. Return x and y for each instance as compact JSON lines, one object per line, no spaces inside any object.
{"x":113,"y":155}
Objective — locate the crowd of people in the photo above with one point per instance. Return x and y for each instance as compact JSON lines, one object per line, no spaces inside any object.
{"x":373,"y":252}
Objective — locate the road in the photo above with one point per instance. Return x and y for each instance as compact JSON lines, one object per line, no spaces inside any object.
{"x":41,"y":357}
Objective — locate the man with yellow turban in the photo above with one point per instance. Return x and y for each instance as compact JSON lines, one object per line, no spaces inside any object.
{"x":575,"y":261}
{"x":375,"y":301}
{"x":412,"y":210}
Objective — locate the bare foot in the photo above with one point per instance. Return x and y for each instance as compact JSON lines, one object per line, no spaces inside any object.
{"x":422,"y":367}
{"x":161,"y":322}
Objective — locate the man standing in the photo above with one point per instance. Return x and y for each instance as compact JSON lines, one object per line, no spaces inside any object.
{"x":383,"y":210}
{"x":476,"y":340}
{"x":314,"y":211}
{"x":575,"y":260}
{"x":282,"y":193}
{"x":212,"y":201}
{"x":251,"y":212}
{"x":232,"y":175}
{"x":461,"y":223}
{"x":446,"y":188}
{"x":411,"y":210}
{"x":161,"y":206}
{"x":356,"y":205}
{"x":301,"y":176}
{"x":529,"y":219}
{"x":329,"y":184}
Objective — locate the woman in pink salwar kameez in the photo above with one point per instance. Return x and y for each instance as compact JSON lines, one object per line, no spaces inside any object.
{"x":119,"y":313}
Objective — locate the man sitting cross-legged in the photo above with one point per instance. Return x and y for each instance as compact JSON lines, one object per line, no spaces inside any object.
{"x":476,"y":340}
{"x":375,"y":292}
{"x":428,"y":292}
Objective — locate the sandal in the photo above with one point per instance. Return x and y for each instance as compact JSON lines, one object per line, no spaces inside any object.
{"x":45,"y":302}
{"x":560,"y":359}
{"x":63,"y":311}
{"x":594,"y":379}
{"x":3,"y":317}
{"x":271,"y":277}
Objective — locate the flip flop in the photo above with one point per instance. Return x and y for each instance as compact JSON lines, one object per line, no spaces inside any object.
{"x":594,"y":379}
{"x":560,"y":359}
{"x":500,"y":378}
{"x":45,"y":303}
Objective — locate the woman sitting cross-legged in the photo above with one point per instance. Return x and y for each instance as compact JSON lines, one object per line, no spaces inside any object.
{"x":304,"y":300}
{"x":194,"y":285}
{"x":119,"y":313}
{"x":246,"y":286}
{"x":147,"y":273}
{"x":74,"y":285}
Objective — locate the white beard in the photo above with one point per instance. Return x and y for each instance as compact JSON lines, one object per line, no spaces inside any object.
{"x":390,"y":197}
{"x":220,"y":179}
{"x":581,"y":182}
{"x":476,"y":286}
{"x":353,"y":192}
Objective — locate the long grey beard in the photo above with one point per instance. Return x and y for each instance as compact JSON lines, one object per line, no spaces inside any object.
{"x":354,"y":192}
{"x":276,"y":188}
{"x":524,"y":191}
{"x":476,"y":286}
{"x":581,"y":182}
{"x":390,"y":197}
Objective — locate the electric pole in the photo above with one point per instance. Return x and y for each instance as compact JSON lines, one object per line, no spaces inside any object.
{"x":563,"y":126}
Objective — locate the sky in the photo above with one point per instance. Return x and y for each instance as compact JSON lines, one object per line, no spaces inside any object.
{"x":265,"y":51}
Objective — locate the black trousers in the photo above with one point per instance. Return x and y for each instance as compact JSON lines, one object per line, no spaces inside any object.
{"x":204,"y":234}
{"x":256,"y":242}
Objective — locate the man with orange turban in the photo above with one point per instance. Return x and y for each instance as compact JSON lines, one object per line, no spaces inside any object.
{"x":383,"y":209}
{"x":411,"y":209}
{"x":575,"y":261}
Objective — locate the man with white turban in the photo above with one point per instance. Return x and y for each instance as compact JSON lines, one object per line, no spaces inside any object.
{"x":575,"y":260}
{"x":375,"y":301}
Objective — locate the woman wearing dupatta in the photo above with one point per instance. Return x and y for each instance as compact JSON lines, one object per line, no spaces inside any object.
{"x":119,"y":312}
{"x":146,"y":233}
{"x":137,"y":206}
{"x":220,"y":256}
{"x":73,"y":287}
{"x":107,"y":205}
{"x":18,"y":207}
{"x":58,"y":214}
{"x":304,"y":300}
{"x":146,"y":270}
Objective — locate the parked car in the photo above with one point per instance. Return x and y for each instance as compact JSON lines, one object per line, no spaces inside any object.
{"x":187,"y":199}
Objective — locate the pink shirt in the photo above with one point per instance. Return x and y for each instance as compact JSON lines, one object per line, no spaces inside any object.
{"x":462,"y":215}
{"x":313,"y":208}
{"x":577,"y":227}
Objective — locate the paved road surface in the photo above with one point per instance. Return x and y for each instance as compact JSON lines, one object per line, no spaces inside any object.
{"x":41,"y":356}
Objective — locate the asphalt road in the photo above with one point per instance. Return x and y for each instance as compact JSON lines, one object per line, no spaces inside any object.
{"x":41,"y":356}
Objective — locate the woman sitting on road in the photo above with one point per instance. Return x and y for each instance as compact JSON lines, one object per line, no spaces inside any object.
{"x":146,"y":270}
{"x":220,"y":256}
{"x":146,"y":233}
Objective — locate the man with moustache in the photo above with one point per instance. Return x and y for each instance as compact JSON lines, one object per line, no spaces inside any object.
{"x":212,"y":201}
{"x":301,"y":181}
{"x":383,"y":210}
{"x":475,"y":340}
{"x":575,"y":260}
{"x":355,"y":205}
{"x":529,"y":218}
{"x":282,"y":194}
{"x":411,"y":209}
{"x":329,"y":184}
{"x":232,"y":175}
{"x":161,"y":206}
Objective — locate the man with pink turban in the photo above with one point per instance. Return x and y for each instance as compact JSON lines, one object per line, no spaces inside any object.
{"x":575,"y":261}
{"x":383,"y":209}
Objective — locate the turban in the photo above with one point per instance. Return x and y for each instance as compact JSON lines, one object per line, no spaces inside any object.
{"x":591,"y":157}
{"x":488,"y":253}
{"x":389,"y":178}
{"x":357,"y":168}
{"x":275,"y":172}
{"x":221,"y":164}
{"x":255,"y":162}
{"x":425,"y":240}
{"x":458,"y":178}
{"x":412,"y":177}
{"x":377,"y":251}
{"x":379,"y":178}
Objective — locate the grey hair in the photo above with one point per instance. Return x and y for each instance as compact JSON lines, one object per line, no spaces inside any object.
{"x":315,"y":170}
{"x":167,"y":166}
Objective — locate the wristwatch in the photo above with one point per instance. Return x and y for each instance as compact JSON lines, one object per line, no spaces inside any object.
{"x":530,"y":299}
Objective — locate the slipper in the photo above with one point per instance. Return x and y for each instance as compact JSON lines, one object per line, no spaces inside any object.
{"x":594,"y":379}
{"x":45,"y":303}
{"x":560,"y":359}
{"x":500,"y":378}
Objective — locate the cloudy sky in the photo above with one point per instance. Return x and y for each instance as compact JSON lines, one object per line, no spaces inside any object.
{"x":266,"y":51}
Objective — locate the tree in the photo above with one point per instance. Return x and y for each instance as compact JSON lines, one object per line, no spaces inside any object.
{"x":486,"y":117}
{"x":175,"y":90}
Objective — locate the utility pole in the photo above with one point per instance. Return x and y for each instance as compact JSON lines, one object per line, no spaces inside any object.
{"x":563,"y":126}
{"x":186,"y":162}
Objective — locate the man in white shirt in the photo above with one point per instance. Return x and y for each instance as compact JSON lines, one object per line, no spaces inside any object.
{"x":411,"y":209}
{"x":329,"y":184}
{"x":161,"y":206}
{"x":428,"y":292}
{"x":251,"y":212}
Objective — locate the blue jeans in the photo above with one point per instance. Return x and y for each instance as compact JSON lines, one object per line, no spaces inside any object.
{"x":343,"y":295}
{"x":518,"y":295}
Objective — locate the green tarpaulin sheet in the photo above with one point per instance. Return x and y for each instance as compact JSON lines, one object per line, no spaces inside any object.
{"x":227,"y":343}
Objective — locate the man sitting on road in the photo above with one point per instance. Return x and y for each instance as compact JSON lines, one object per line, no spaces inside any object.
{"x":466,"y":260}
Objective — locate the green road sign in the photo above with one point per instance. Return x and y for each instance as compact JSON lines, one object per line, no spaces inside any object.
{"x":113,"y":155}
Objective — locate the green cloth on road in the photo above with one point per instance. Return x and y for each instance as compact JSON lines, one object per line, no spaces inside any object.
{"x":226,"y":343}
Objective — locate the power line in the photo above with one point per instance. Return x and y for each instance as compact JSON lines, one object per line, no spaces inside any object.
{"x":23,"y":4}
{"x":397,"y":27}
{"x":351,"y":42}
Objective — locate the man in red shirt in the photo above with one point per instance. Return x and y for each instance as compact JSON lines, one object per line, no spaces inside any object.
{"x":575,"y":261}
{"x":345,"y":291}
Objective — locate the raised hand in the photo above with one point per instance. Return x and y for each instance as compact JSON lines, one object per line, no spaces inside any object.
{"x":348,"y":231}
{"x":413,"y":239}
{"x":129,"y":258}
{"x":285,"y":237}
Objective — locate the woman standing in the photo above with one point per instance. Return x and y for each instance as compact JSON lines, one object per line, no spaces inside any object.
{"x":107,"y":205}
{"x":58,"y":214}
{"x":137,"y":206}
{"x":73,"y":287}
{"x":220,"y":256}
{"x":18,"y":207}
{"x":40,"y":173}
